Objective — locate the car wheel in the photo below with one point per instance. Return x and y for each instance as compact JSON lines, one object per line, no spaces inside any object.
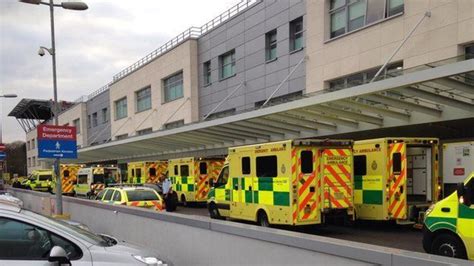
{"x":449,"y":246}
{"x":213,"y":211}
{"x":262,"y":219}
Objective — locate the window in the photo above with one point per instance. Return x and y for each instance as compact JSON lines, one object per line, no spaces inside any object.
{"x":223,"y":176}
{"x":350,"y":15}
{"x":29,"y":242}
{"x":174,"y":124}
{"x":145,"y":131}
{"x":152,"y":171}
{"x":184,"y":170}
{"x":306,"y":162}
{"x":173,"y":87}
{"x":66,"y":173}
{"x":117,"y":196}
{"x":245,"y":165}
{"x":360,"y":165}
{"x":89,"y":121}
{"x":397,"y":162}
{"x":271,"y":45}
{"x":105,"y":115}
{"x":143,"y":99}
{"x":296,"y":34}
{"x":281,"y":99}
{"x":176,"y":170}
{"x":121,"y":108}
{"x":33,"y":161}
{"x":138,"y":173}
{"x":207,"y":73}
{"x":33,"y":143}
{"x":123,"y":136}
{"x":108,"y":194}
{"x":267,"y":166}
{"x":82,"y":179}
{"x":203,"y":168}
{"x":94,"y":120}
{"x":360,"y":78}
{"x":227,"y":64}
{"x":77,"y":125}
{"x":28,"y":145}
{"x":141,"y":195}
{"x":101,"y":194}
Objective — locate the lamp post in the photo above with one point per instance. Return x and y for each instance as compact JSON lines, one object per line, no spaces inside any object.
{"x":52,"y":52}
{"x":2,"y":163}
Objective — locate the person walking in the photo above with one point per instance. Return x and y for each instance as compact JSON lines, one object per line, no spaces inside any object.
{"x":170,"y":197}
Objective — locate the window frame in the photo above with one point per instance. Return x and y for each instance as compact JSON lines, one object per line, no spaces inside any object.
{"x":232,"y":63}
{"x":345,"y":9}
{"x":271,"y":45}
{"x":257,"y":163}
{"x":105,"y":115}
{"x":303,"y":167}
{"x":184,"y":166}
{"x":203,"y":165}
{"x":95,"y":119}
{"x":293,"y":33}
{"x":207,"y":72}
{"x":143,"y":98}
{"x":242,"y":163}
{"x":363,"y":162}
{"x":77,"y":125}
{"x":122,"y":103}
{"x":169,"y":84}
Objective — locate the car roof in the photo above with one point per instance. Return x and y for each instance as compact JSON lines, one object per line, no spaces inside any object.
{"x":131,"y":188}
{"x":9,"y":205}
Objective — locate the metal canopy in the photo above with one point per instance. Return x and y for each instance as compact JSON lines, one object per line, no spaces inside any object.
{"x":437,"y":94}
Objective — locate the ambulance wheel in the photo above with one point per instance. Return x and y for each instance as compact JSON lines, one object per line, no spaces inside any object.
{"x":448,"y":245}
{"x":213,"y":211}
{"x":183,"y":200}
{"x":262,"y":219}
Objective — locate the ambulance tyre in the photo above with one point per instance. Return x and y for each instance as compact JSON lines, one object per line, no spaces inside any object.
{"x":213,"y":211}
{"x":183,"y":200}
{"x":262,"y":218}
{"x":448,"y":245}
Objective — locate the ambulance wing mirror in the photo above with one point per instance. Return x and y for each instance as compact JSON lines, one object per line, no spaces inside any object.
{"x":211,"y":182}
{"x":464,"y":194}
{"x":460,"y":189}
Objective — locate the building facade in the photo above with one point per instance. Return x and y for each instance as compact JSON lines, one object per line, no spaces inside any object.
{"x":98,"y":117}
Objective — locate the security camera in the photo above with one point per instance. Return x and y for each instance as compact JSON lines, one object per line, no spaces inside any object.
{"x":41,"y":51}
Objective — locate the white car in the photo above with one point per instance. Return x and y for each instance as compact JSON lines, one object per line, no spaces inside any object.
{"x":28,"y":238}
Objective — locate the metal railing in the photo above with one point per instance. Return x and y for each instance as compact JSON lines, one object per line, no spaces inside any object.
{"x":192,"y":32}
{"x":98,"y":91}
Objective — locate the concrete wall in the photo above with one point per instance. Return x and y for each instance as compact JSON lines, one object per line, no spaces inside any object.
{"x":193,"y":240}
{"x":181,"y":58}
{"x":100,"y":133}
{"x":246,"y":34}
{"x":67,"y":117}
{"x":437,"y":38}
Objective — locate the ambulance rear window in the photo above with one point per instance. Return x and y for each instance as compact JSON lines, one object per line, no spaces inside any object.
{"x":246,"y":165}
{"x":203,"y":168}
{"x":66,"y":173}
{"x":306,"y":162}
{"x":184,"y":169}
{"x":397,"y":162}
{"x":152,"y":171}
{"x":360,"y":165}
{"x":267,"y":166}
{"x":45,"y":177}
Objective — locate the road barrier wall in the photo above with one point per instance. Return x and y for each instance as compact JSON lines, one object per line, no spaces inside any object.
{"x":193,"y":240}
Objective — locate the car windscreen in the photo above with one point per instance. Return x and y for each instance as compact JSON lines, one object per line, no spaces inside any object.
{"x":45,"y":177}
{"x":70,"y":229}
{"x":141,"y":195}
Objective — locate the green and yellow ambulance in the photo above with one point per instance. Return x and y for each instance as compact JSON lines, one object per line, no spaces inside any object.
{"x":39,"y":180}
{"x":449,"y":224}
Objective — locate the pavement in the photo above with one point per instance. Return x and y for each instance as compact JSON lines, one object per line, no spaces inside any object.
{"x":381,"y":233}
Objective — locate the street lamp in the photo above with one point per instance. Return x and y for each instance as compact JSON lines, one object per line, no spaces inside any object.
{"x":52,"y":52}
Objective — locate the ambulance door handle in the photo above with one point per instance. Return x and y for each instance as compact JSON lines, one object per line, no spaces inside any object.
{"x":250,"y":188}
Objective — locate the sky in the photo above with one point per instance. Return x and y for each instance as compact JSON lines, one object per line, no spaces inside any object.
{"x":91,"y":45}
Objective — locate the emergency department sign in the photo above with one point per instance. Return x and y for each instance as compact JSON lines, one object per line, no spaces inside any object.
{"x":57,"y":142}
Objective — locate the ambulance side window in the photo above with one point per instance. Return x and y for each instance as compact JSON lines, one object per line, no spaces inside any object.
{"x":133,"y":172}
{"x":139,"y":172}
{"x":203,"y":168}
{"x":267,"y":166}
{"x":108,"y":194}
{"x":152,"y":171}
{"x":100,"y":195}
{"x":360,"y":165}
{"x":306,"y":162}
{"x":175,"y":170}
{"x":245,"y":165}
{"x":223,"y":176}
{"x":184,"y":170}
{"x":397,"y":162}
{"x":82,"y":179}
{"x":66,"y":173}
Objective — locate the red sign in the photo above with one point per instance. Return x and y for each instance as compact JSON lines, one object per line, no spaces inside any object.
{"x":50,"y":132}
{"x":458,"y":171}
{"x":2,"y":147}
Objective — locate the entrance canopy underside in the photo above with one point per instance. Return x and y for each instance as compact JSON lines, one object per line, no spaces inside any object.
{"x":436,"y":94}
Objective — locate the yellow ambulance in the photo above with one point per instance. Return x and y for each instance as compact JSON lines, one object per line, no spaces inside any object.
{"x":146,"y":172}
{"x":292,"y":182}
{"x":449,"y":224}
{"x":68,"y":178}
{"x":39,"y":180}
{"x":396,"y":178}
{"x":191,"y":177}
{"x":92,"y":180}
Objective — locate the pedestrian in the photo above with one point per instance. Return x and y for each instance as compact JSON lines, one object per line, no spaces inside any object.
{"x":169,"y":195}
